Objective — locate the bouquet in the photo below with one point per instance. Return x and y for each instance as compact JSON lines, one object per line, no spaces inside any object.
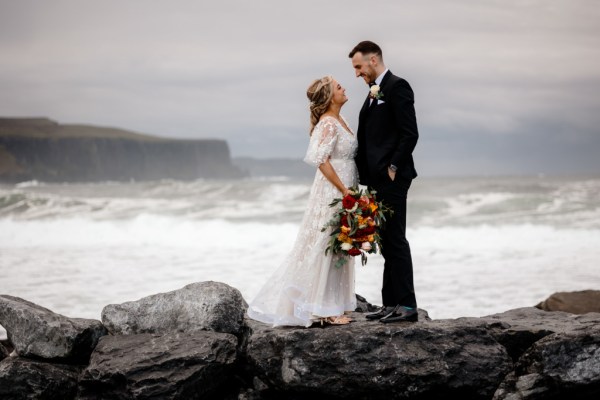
{"x":356,"y":225}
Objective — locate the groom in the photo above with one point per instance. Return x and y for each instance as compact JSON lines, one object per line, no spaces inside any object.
{"x":387,"y":134}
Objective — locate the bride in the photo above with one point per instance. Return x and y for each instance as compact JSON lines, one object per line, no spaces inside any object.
{"x":307,"y":287}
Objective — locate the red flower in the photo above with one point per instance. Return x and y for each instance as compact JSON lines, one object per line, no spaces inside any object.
{"x":354,"y":251}
{"x":348,"y":202}
{"x":363,"y":201}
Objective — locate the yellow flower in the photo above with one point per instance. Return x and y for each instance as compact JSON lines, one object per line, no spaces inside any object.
{"x":373,"y":207}
{"x":362,"y":222}
{"x":346,"y":229}
{"x":342,"y":237}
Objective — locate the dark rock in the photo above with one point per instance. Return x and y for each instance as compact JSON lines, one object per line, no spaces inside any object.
{"x":37,"y":332}
{"x":368,"y":359}
{"x":212,"y":306}
{"x":21,"y":378}
{"x":581,"y":302}
{"x":149,"y":366}
{"x":561,"y":365}
{"x":3,"y":352}
{"x":362,"y":305}
{"x":519,"y":329}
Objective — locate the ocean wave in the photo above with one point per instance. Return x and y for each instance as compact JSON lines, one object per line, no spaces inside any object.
{"x":448,"y":202}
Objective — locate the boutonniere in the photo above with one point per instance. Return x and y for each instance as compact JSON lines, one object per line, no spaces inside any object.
{"x":375,"y":92}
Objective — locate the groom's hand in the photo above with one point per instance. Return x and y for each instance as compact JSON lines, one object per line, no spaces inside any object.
{"x":391,"y":173}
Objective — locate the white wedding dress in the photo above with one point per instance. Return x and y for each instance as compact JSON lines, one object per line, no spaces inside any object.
{"x":307,"y":285}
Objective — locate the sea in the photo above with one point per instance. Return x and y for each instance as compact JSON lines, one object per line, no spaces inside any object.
{"x":480,"y":245}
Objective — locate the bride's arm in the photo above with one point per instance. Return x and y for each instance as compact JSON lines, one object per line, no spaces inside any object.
{"x":329,"y":173}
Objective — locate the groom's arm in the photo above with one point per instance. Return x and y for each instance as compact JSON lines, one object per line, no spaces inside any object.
{"x":403,"y":108}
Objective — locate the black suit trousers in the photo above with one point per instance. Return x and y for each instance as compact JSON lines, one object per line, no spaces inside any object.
{"x":398,"y":286}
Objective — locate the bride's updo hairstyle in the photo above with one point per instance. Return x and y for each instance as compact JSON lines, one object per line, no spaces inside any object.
{"x":320,"y":93}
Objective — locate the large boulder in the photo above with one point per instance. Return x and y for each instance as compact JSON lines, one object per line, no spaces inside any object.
{"x":21,"y":378}
{"x":37,"y":332}
{"x":149,"y":366}
{"x":365,"y":359}
{"x":212,"y":306}
{"x":520,"y":328}
{"x":561,"y":365}
{"x":581,"y":302}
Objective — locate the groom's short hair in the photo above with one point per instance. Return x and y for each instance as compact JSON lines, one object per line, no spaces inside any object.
{"x":366,"y":47}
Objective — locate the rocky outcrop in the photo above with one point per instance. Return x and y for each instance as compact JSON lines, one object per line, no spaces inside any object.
{"x":171,"y":366}
{"x":21,"y":378}
{"x":581,"y":302}
{"x":41,"y":149}
{"x":561,"y":365}
{"x":37,"y":332}
{"x":212,"y":306}
{"x":380,"y":361}
{"x":156,"y":351}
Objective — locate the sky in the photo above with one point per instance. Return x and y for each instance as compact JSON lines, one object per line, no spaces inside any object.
{"x":501,"y":87}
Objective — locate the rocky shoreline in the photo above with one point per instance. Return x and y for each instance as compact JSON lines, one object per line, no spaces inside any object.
{"x":196,"y":343}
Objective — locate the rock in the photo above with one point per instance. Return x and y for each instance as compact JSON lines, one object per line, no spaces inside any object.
{"x":212,"y":306}
{"x":581,"y":302}
{"x":366,"y":359}
{"x":519,"y":329}
{"x":21,"y":378}
{"x":558,"y":366}
{"x":3,"y":352}
{"x":362,"y":305}
{"x":150,"y":366}
{"x":37,"y":332}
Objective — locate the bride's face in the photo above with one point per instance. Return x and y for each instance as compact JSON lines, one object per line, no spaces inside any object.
{"x":339,"y":93}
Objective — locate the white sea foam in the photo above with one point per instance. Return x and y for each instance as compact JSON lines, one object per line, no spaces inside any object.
{"x":77,"y":266}
{"x":478,"y":247}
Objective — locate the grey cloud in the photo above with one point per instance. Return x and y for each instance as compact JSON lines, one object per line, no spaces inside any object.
{"x":484,"y":73}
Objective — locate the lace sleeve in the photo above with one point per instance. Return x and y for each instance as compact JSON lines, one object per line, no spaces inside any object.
{"x":322,"y":142}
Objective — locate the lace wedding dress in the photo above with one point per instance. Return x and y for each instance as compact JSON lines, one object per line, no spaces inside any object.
{"x":307,"y":285}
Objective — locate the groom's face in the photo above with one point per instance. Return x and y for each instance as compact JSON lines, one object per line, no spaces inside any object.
{"x":364,"y":66}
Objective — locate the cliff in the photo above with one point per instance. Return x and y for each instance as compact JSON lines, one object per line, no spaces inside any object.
{"x":41,"y":149}
{"x":196,"y":343}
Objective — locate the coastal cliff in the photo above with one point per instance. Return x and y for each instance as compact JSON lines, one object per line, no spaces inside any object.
{"x":44,"y":150}
{"x":196,"y":343}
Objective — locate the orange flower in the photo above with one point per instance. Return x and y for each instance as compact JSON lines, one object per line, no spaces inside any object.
{"x":342,"y":237}
{"x":373,"y":207}
{"x":345,"y":229}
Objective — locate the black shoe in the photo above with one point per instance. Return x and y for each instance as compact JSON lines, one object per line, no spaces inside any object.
{"x":401,"y":314}
{"x":383,"y":311}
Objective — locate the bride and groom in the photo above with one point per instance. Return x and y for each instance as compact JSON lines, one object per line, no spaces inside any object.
{"x":308,"y":287}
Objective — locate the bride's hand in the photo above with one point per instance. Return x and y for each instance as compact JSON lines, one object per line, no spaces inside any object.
{"x":345,"y":192}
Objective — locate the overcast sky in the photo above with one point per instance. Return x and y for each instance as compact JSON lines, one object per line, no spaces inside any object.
{"x":501,"y":87}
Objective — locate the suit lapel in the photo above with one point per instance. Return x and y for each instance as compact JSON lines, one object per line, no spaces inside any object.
{"x":385,"y":79}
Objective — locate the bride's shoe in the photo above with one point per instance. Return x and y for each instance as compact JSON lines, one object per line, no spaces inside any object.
{"x":339,"y":320}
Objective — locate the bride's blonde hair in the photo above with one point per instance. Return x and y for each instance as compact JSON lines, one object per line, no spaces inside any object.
{"x":320,"y":93}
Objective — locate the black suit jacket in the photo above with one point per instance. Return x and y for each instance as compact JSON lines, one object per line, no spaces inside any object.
{"x":387,"y":133}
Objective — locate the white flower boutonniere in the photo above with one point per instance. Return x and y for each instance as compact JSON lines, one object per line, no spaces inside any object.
{"x":375,"y":92}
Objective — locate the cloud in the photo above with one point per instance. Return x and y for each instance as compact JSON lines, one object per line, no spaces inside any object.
{"x":485,"y":74}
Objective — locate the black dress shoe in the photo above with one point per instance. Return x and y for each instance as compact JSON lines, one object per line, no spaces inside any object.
{"x":383,"y":311}
{"x":401,"y":314}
